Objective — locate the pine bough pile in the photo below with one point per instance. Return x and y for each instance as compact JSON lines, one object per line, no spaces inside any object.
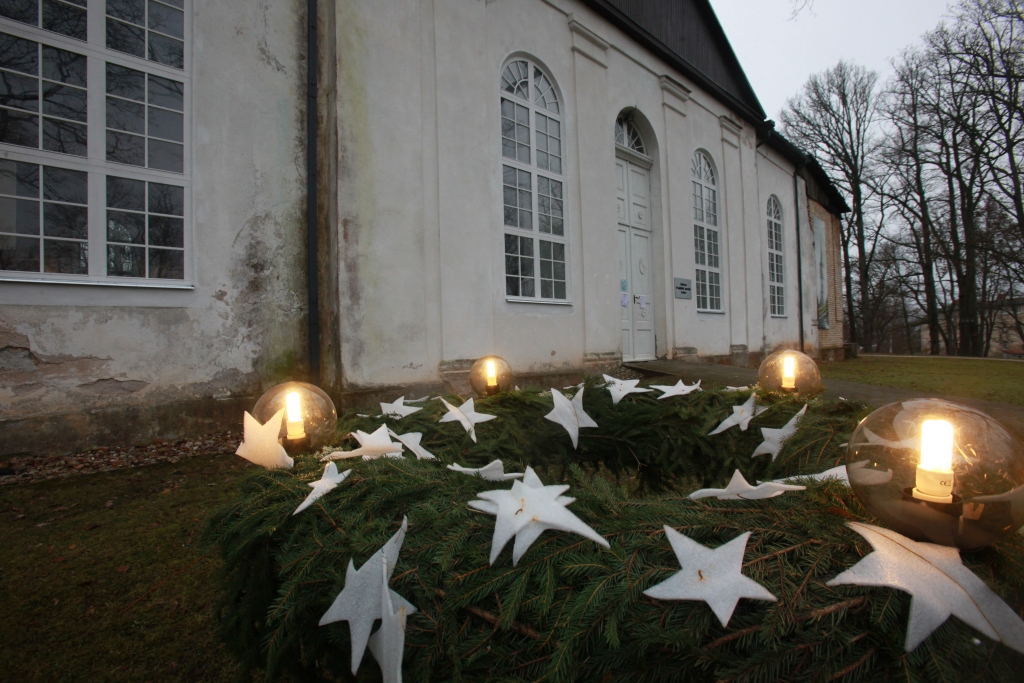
{"x":572,"y":610}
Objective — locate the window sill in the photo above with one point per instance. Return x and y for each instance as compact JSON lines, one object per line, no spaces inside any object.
{"x":779,"y":316}
{"x":708,"y":310}
{"x":547,"y":302}
{"x":99,"y":283}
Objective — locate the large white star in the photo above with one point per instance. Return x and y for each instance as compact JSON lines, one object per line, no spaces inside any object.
{"x":327,"y":482}
{"x":713,"y":576}
{"x":371,"y":446}
{"x":492,"y":471}
{"x":260,"y":445}
{"x":619,"y":388}
{"x":387,"y":645}
{"x":570,"y":414}
{"x":359,"y":602}
{"x":412,"y":442}
{"x":528,"y":510}
{"x":774,"y":438}
{"x":741,"y":415}
{"x":939,"y":583}
{"x":398,"y":409}
{"x":465,"y":415}
{"x":739,"y":489}
{"x":677,"y":389}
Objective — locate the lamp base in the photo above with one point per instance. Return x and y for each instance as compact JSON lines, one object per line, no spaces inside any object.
{"x":954,"y":507}
{"x":294,"y":446}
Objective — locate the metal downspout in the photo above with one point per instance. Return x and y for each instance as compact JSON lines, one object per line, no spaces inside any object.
{"x":312,"y":265}
{"x":799,"y":250}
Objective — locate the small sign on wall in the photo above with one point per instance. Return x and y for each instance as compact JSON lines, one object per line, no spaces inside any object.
{"x":684,"y":288}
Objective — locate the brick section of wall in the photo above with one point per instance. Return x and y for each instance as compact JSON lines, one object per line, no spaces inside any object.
{"x":832,"y":338}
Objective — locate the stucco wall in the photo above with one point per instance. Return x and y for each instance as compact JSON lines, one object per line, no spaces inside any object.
{"x":420,"y":267}
{"x":78,"y":362}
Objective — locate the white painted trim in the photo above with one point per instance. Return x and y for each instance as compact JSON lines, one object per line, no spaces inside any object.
{"x":99,"y":283}
{"x":547,"y":302}
{"x":633,"y":156}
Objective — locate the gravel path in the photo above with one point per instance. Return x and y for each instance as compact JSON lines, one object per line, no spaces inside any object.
{"x":26,"y":469}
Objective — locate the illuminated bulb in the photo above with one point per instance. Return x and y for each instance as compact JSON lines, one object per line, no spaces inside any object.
{"x":935,"y":472}
{"x":294,"y":409}
{"x":492,"y":375}
{"x":789,"y":372}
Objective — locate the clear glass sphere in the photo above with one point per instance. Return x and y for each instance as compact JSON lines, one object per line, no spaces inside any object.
{"x":491,"y":375}
{"x":788,"y":370}
{"x":939,"y":472}
{"x":309,"y":415}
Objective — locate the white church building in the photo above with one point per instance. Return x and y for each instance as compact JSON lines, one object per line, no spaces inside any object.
{"x":192,"y":209}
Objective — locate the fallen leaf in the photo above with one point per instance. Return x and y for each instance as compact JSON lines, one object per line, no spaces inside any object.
{"x":109,"y":504}
{"x":60,"y":559}
{"x":90,"y":526}
{"x":55,"y":601}
{"x":72,"y":546}
{"x":43,"y":524}
{"x":123,"y":568}
{"x":17,"y":517}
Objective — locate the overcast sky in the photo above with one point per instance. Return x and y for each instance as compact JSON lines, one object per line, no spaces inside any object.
{"x":778,"y":53}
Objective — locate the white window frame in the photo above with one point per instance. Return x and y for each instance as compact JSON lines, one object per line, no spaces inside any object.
{"x":535,"y":109}
{"x":776,"y":259}
{"x":707,"y":235}
{"x":95,"y":164}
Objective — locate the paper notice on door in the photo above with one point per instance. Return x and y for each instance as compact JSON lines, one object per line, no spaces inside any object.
{"x":625,"y":300}
{"x":643,"y":302}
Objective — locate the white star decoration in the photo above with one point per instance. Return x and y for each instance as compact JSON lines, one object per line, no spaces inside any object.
{"x":838,"y":473}
{"x":741,"y":415}
{"x":398,"y":409}
{"x":774,"y":438}
{"x":743,"y":388}
{"x":739,"y":489}
{"x":466,"y":415}
{"x":939,"y":582}
{"x":570,"y":414}
{"x":621,"y":387}
{"x":492,"y":471}
{"x":387,"y":645}
{"x":327,"y":482}
{"x":528,"y":510}
{"x":412,"y":442}
{"x":359,"y":603}
{"x":677,"y":389}
{"x":712,"y":576}
{"x":260,"y":445}
{"x":371,"y":446}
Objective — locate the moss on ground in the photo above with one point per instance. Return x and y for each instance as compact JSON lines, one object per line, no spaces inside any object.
{"x":988,"y":380}
{"x":102,"y":580}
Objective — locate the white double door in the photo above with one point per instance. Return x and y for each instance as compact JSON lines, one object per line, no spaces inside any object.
{"x":632,"y":188}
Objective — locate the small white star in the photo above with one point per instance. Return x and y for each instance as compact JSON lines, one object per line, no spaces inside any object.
{"x":677,"y":389}
{"x":327,"y":482}
{"x":774,"y":438}
{"x":741,"y":415}
{"x":387,"y":645}
{"x":398,"y":409}
{"x":739,"y":489}
{"x":619,"y":388}
{"x":570,"y":414}
{"x":712,"y":576}
{"x":523,"y":510}
{"x":371,"y":446}
{"x":466,"y":415}
{"x":412,"y":442}
{"x":492,"y":471}
{"x":939,"y":582}
{"x":743,"y":388}
{"x":260,"y":445}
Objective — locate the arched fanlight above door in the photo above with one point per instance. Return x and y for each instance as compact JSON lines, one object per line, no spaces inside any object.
{"x":627,"y":135}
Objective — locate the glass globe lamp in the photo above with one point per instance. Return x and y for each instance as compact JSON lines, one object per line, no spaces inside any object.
{"x":309,"y":415}
{"x":491,"y":375}
{"x":790,"y":371}
{"x":939,"y":472}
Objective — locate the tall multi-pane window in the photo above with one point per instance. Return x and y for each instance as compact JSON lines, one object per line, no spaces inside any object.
{"x":88,"y":112}
{"x":706,"y":237}
{"x":776,"y":271}
{"x":533,"y":184}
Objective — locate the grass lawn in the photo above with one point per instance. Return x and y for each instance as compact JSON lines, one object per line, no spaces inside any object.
{"x":101,"y":578}
{"x":989,"y":380}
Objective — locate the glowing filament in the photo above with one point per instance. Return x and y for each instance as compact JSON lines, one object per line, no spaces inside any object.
{"x":789,"y":372}
{"x":293,"y":406}
{"x":935,"y":471}
{"x":492,"y":375}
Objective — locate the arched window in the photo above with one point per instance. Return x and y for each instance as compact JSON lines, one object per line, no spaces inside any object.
{"x":776,"y":271}
{"x":706,"y":235}
{"x":533,"y":191}
{"x":627,"y":135}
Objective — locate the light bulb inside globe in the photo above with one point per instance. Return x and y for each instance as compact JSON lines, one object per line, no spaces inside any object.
{"x":492,"y":375}
{"x":293,"y":406}
{"x":935,"y":471}
{"x":789,"y":372}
